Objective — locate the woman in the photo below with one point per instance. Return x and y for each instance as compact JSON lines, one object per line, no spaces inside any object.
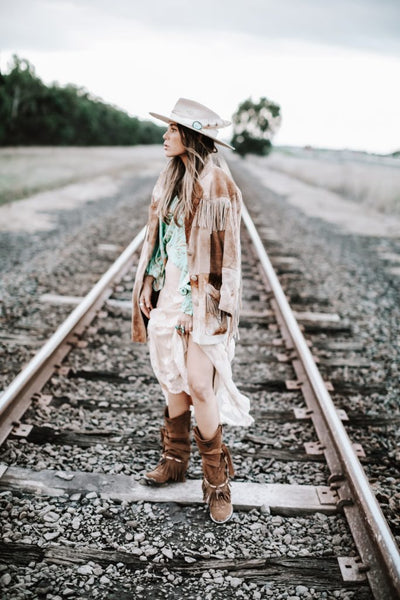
{"x":191,"y":259}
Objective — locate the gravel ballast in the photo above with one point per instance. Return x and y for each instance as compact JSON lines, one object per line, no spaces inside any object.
{"x":109,"y":408}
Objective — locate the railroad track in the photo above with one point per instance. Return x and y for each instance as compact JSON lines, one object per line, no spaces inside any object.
{"x":79,"y":522}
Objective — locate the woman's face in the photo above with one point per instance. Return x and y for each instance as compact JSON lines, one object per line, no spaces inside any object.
{"x":173,"y":142}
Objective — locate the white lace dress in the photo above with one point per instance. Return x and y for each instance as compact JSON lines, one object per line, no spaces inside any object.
{"x":167,"y":348}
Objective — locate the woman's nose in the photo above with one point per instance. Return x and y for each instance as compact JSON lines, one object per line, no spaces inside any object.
{"x":165,"y":135}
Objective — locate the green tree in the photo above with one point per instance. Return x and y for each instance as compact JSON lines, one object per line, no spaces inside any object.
{"x":34,"y":113}
{"x":254,"y":125}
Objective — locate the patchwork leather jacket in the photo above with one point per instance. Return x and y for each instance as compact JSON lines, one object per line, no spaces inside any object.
{"x":213,"y":250}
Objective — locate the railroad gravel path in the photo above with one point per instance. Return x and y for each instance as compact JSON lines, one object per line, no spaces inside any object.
{"x":67,"y":259}
{"x":105,"y":414}
{"x":345,"y":272}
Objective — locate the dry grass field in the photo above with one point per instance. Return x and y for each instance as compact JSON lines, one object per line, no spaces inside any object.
{"x":27,"y":170}
{"x":367,"y":179}
{"x":358,"y":192}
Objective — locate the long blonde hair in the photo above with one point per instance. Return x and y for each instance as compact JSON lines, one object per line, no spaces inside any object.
{"x":179,"y":180}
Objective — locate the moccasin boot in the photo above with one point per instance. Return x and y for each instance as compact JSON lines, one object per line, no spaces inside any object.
{"x":217,"y":467}
{"x":175,"y":440}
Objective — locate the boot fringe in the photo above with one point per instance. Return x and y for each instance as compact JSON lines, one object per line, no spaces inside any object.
{"x":213,"y":493}
{"x":176,"y":468}
{"x":175,"y":443}
{"x":169,"y":469}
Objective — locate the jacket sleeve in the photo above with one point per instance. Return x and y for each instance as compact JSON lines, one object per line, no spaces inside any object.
{"x":231,"y":268}
{"x":138,"y":320}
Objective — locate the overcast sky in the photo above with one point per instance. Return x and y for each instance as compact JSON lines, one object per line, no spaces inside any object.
{"x":333,"y":66}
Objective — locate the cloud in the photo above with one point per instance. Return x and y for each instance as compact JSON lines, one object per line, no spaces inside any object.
{"x":57,"y":24}
{"x":320,"y":64}
{"x":369,"y":24}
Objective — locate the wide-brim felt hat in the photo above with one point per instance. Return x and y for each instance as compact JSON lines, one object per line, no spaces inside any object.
{"x":197,"y":117}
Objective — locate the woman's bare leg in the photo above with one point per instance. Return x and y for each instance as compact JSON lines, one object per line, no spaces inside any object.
{"x":200,"y":380}
{"x":178,"y":404}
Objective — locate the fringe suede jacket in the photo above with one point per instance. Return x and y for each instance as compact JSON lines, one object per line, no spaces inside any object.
{"x":213,"y":250}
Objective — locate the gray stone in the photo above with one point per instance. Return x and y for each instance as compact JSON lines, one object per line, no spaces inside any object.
{"x":321,"y":516}
{"x":168,"y":553}
{"x":85,"y":570}
{"x":91,"y":495}
{"x":287,"y":538}
{"x":6,"y":579}
{"x":51,"y":535}
{"x":95,"y":534}
{"x":64,"y":475}
{"x":51,"y":517}
{"x":278,"y":531}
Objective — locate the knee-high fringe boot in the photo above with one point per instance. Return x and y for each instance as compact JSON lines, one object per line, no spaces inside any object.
{"x":175,"y":440}
{"x":217,"y":467}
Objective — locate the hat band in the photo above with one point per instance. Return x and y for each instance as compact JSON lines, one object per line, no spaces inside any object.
{"x":196,"y":124}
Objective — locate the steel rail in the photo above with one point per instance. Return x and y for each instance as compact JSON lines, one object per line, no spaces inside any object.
{"x":23,"y":386}
{"x":16,"y":397}
{"x":382,"y":540}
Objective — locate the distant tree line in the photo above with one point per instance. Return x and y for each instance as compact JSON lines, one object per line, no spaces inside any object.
{"x":32,"y":113}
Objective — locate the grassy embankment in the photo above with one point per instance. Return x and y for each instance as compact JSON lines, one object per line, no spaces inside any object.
{"x":367,"y":179}
{"x":27,"y":170}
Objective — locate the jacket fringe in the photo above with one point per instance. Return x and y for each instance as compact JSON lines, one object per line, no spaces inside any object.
{"x":234,"y":319}
{"x":212,"y":214}
{"x":212,"y":297}
{"x":233,"y":327}
{"x":212,"y":301}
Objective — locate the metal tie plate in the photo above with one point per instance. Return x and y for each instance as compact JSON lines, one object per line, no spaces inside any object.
{"x":352,"y":568}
